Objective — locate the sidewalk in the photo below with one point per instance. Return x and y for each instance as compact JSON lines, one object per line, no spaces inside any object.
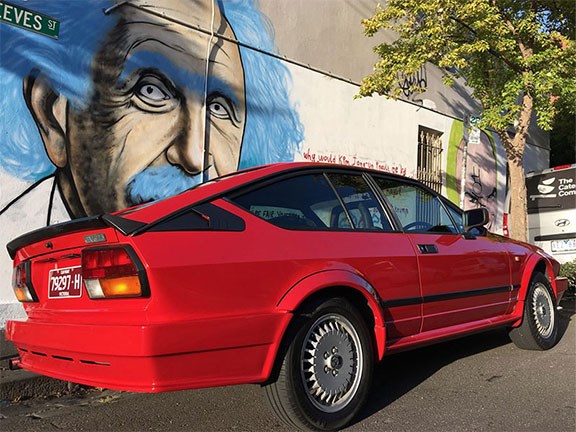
{"x":21,"y":384}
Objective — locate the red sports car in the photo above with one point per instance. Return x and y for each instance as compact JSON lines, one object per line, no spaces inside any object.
{"x":294,"y":276}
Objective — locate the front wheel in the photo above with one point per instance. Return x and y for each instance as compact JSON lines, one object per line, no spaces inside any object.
{"x":539,"y":328}
{"x":326,"y":371}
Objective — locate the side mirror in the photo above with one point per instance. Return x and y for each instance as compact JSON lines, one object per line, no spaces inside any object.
{"x":475,"y":218}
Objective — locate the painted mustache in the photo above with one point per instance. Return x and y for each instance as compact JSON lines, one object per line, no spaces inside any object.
{"x":156,"y":183}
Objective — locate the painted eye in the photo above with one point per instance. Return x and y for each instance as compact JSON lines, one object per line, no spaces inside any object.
{"x":152,"y":92}
{"x":220,"y":108}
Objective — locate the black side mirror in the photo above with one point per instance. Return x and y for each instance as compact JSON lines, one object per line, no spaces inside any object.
{"x":475,"y":218}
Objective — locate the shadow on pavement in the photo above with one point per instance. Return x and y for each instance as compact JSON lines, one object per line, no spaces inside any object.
{"x":399,"y":373}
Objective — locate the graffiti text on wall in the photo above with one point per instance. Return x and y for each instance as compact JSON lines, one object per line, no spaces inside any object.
{"x":342,"y":159}
{"x":411,"y":82}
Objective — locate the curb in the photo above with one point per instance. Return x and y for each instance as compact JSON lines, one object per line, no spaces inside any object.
{"x":16,"y":385}
{"x":20,"y":384}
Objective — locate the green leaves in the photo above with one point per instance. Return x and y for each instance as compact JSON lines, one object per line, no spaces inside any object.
{"x":504,"y":48}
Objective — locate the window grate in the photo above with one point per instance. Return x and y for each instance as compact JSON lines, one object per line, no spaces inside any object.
{"x":429,"y":169}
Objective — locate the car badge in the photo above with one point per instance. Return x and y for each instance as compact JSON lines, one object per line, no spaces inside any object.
{"x":560,"y":223}
{"x":95,"y":238}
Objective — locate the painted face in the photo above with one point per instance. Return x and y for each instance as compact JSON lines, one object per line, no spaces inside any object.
{"x":142,"y":135}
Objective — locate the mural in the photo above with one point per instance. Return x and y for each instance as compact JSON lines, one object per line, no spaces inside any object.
{"x":111,"y":103}
{"x":124,"y":102}
{"x":132,"y":102}
{"x":481,"y":184}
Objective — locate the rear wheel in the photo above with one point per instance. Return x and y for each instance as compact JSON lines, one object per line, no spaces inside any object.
{"x":539,"y":328}
{"x":326,"y":370}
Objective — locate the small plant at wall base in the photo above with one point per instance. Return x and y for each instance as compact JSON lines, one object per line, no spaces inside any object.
{"x":518,"y":56}
{"x":568,"y":270}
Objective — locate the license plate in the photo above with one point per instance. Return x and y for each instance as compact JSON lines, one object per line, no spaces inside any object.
{"x":563,"y":245}
{"x":65,"y":282}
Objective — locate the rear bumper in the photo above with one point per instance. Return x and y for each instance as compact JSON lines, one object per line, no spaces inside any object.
{"x":152,"y":358}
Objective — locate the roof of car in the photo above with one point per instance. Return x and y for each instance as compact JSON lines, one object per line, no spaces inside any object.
{"x":149,"y":212}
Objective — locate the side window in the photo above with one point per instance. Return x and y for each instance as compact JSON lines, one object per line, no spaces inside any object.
{"x":302,"y":202}
{"x":457,"y":216}
{"x":417,"y":209}
{"x":363,"y":210}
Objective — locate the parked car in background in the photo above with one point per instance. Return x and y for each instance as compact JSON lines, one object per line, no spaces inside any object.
{"x":552,"y":211}
{"x":295,"y":276}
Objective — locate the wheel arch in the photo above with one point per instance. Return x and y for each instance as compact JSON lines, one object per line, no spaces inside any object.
{"x":331,"y":284}
{"x":535,"y":264}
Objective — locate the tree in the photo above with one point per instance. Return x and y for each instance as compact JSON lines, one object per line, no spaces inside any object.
{"x":518,"y":56}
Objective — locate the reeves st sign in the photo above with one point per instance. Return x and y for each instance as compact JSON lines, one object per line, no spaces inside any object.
{"x":29,"y":20}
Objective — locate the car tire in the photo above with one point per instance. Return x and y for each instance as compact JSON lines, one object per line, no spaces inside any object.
{"x":539,"y":328}
{"x":325,"y":368}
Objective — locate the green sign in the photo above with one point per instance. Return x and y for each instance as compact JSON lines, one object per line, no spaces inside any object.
{"x":475,"y":120}
{"x":29,"y":20}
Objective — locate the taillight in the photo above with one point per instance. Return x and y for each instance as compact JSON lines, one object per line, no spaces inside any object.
{"x":505,"y":230}
{"x":113,"y":272}
{"x":21,"y":283}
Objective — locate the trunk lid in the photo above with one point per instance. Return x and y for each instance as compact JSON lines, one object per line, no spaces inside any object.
{"x":51,"y":258}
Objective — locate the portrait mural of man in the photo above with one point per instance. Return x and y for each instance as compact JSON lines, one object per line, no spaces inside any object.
{"x":136,"y":101}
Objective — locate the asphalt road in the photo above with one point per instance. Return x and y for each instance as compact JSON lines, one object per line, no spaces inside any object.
{"x":479,"y":383}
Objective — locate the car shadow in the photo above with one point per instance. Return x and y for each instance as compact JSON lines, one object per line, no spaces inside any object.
{"x":567,"y":311}
{"x":398,"y":374}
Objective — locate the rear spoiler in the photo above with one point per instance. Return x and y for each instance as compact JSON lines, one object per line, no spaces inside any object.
{"x":125,"y":226}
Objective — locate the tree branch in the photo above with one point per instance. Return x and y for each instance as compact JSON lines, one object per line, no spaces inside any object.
{"x":524,"y":50}
{"x":491,"y":50}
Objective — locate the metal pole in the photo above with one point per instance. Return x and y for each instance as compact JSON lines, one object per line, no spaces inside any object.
{"x":464,"y":161}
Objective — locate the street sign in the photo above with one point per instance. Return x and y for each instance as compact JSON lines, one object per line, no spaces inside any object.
{"x":475,"y":120}
{"x":29,"y":20}
{"x":474,"y":136}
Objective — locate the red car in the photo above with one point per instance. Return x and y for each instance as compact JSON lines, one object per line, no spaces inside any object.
{"x":294,"y":276}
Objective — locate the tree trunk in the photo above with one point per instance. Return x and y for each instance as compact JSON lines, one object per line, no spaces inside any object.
{"x":518,"y":216}
{"x":517,"y":219}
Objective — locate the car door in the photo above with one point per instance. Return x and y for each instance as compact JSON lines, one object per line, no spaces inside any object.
{"x":332,"y":220}
{"x":463,"y":278}
{"x":389,"y":262}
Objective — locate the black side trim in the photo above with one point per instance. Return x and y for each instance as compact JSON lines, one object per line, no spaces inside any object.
{"x":93,"y":222}
{"x":189,"y":221}
{"x":442,"y":297}
{"x":555,"y":237}
{"x":402,"y":302}
{"x":125,"y":226}
{"x":220,"y":219}
{"x":201,"y":217}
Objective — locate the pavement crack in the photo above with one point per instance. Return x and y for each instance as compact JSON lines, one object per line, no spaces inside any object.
{"x":494,"y":378}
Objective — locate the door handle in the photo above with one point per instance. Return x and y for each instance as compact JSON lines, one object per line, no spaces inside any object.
{"x":428,"y":248}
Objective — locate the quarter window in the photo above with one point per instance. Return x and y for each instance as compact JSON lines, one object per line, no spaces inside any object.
{"x":296,"y":202}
